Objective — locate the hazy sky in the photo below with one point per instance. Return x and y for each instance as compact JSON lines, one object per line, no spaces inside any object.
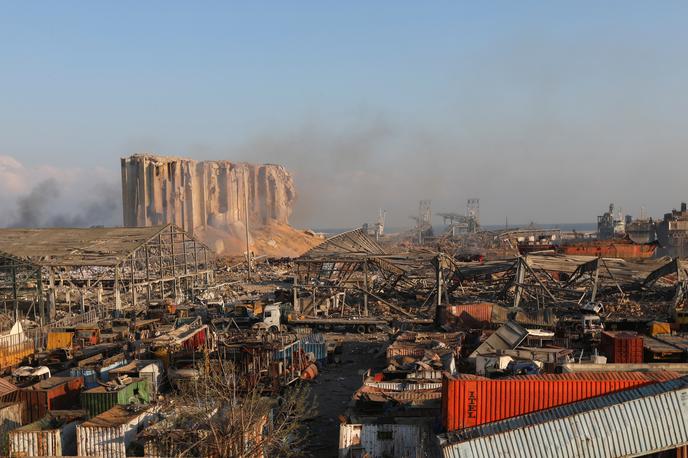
{"x":546,"y":111}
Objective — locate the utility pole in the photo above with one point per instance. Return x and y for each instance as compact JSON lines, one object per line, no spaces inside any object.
{"x":439,"y":278}
{"x":248,"y":250}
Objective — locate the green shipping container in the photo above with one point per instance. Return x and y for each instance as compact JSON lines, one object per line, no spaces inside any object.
{"x":98,"y":400}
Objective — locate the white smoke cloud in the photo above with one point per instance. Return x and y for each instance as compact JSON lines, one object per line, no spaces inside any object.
{"x":12,"y":175}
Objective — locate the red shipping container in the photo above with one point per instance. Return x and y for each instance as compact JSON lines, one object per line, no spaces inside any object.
{"x":472,"y":402}
{"x":622,"y":347}
{"x":472,"y":314}
{"x":196,"y":341}
{"x":55,"y":393}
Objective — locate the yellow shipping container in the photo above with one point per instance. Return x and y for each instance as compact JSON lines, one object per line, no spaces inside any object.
{"x":659,"y":327}
{"x":14,"y":350}
{"x":59,"y":340}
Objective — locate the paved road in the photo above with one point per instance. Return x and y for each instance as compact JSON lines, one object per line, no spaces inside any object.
{"x":336,"y":384}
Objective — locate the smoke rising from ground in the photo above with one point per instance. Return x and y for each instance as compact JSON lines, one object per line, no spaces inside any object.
{"x":60,"y":198}
{"x":32,"y":208}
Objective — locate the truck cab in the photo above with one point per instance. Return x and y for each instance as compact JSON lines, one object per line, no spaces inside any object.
{"x":271,"y":318}
{"x":581,"y":326}
{"x":592,"y":327}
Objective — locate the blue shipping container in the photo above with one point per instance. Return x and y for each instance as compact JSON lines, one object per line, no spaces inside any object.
{"x":105,"y":371}
{"x":312,"y":343}
{"x":90,"y":375}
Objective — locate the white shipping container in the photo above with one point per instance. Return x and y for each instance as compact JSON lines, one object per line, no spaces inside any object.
{"x":151,"y":370}
{"x":109,"y":434}
{"x":380,"y":441}
{"x":32,"y":441}
{"x":10,"y":418}
{"x":153,"y":373}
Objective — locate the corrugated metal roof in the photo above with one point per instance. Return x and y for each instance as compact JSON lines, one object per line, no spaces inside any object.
{"x":628,"y":423}
{"x":6,"y":387}
{"x":657,"y":346}
{"x":118,"y":415}
{"x":350,"y":242}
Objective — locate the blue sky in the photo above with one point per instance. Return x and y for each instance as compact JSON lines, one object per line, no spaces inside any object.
{"x":547,"y":111}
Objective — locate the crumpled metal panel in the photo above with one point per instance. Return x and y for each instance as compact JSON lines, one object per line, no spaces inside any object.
{"x":507,"y":337}
{"x":404,"y":386}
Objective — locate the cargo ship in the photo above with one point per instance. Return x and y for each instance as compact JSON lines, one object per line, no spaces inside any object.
{"x":615,"y":248}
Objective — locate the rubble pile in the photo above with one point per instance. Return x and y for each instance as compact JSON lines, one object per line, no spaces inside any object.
{"x":441,"y":326}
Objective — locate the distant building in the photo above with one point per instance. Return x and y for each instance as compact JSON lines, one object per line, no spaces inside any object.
{"x":672,"y":233}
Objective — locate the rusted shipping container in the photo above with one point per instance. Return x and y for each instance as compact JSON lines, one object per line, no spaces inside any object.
{"x":53,"y":435}
{"x":467,"y":402}
{"x":622,"y":347}
{"x":109,"y":434}
{"x":624,"y":249}
{"x":469,"y":315}
{"x":10,"y":418}
{"x":55,"y":393}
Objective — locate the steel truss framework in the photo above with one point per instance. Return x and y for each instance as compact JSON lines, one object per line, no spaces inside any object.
{"x":111,"y":267}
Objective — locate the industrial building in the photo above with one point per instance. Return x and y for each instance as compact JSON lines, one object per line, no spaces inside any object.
{"x":42,"y":270}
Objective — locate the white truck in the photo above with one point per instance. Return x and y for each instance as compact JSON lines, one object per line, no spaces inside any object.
{"x":272,"y":321}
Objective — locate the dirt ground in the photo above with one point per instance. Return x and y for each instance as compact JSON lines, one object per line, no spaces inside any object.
{"x":335,"y":385}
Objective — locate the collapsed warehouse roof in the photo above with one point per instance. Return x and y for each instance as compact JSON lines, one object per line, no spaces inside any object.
{"x":628,"y":289}
{"x":98,"y":246}
{"x":354,"y":261}
{"x":351,"y":242}
{"x":405,"y":281}
{"x":97,"y":266}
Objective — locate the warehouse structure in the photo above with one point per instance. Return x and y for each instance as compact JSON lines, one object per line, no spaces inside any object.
{"x":42,"y":269}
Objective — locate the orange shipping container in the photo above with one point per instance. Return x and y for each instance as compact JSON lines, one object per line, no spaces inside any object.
{"x":467,"y":402}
